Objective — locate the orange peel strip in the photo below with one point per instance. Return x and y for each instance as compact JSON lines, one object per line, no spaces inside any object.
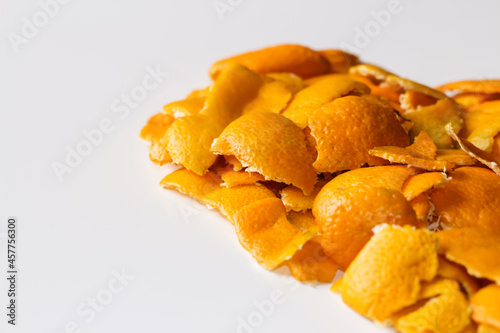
{"x":421,"y":183}
{"x":478,"y":250}
{"x":387,"y":274}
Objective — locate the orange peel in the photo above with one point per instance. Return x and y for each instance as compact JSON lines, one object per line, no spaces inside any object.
{"x":445,"y":311}
{"x":349,"y":206}
{"x":348,"y":127}
{"x":450,"y":270}
{"x":421,"y":154}
{"x":207,"y":189}
{"x":423,"y":208}
{"x":311,"y":264}
{"x":305,"y":102}
{"x":476,"y":86}
{"x":186,"y":107}
{"x":265,"y":232}
{"x":387,"y":274}
{"x":296,"y":59}
{"x":486,"y":306}
{"x":466,"y":200}
{"x":491,"y":160}
{"x":475,"y":249}
{"x":231,"y":177}
{"x":339,"y":60}
{"x":272,"y":145}
{"x":294,"y":199}
{"x":423,"y":182}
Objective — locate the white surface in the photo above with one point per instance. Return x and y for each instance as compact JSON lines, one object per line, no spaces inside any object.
{"x":191,"y":275}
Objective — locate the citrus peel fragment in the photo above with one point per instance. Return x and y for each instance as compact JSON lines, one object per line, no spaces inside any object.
{"x":265,"y":232}
{"x":272,"y":145}
{"x":475,"y":249}
{"x":387,"y":274}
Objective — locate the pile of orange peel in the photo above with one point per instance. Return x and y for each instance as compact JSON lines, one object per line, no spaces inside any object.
{"x":325,"y":164}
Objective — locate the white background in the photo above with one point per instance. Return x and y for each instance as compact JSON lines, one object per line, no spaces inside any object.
{"x":190,"y":274}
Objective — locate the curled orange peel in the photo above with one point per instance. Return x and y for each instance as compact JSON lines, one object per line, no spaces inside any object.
{"x":265,"y":232}
{"x":305,"y":102}
{"x":271,"y":145}
{"x":311,"y":264}
{"x":291,"y":58}
{"x":231,"y":177}
{"x":340,"y":61}
{"x":489,"y":159}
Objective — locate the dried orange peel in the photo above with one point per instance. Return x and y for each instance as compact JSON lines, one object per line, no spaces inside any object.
{"x":324,"y":164}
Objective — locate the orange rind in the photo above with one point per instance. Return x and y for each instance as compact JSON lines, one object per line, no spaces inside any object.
{"x":469,"y":199}
{"x":296,"y":59}
{"x":423,"y":182}
{"x":231,"y":177}
{"x":311,"y":264}
{"x":186,"y":107}
{"x":421,"y":154}
{"x":340,"y":61}
{"x":476,"y":86}
{"x":388,"y":273}
{"x":486,"y":306}
{"x":348,"y":127}
{"x":308,"y":100}
{"x":265,"y":232}
{"x":446,"y":310}
{"x":450,"y":270}
{"x":475,"y":249}
{"x":352,"y":204}
{"x":491,"y":160}
{"x":271,"y":145}
{"x":294,"y":199}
